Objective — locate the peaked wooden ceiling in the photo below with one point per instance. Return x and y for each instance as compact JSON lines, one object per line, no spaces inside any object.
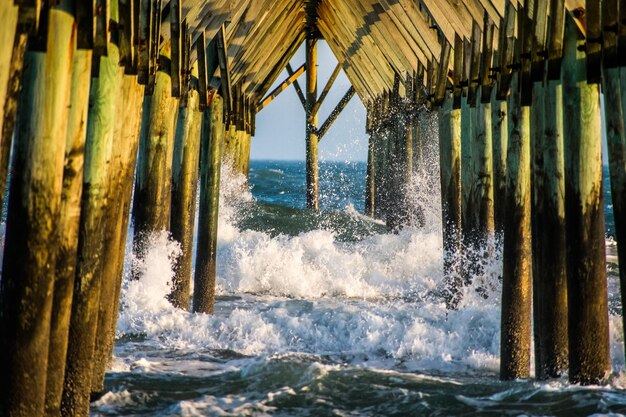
{"x":372,"y":39}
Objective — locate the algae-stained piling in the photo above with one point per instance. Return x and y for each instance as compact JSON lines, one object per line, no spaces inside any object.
{"x":589,"y":356}
{"x":450,"y":163}
{"x":33,"y":217}
{"x":312,"y":174}
{"x":68,"y":228}
{"x":210,"y":165}
{"x":516,"y":282}
{"x":550,"y":279}
{"x":500,"y":135}
{"x":184,"y":186}
{"x":153,"y":190}
{"x":121,"y":170}
{"x":94,"y":210}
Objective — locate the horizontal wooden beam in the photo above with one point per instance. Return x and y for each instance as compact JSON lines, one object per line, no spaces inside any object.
{"x":335,"y":113}
{"x":281,"y":87}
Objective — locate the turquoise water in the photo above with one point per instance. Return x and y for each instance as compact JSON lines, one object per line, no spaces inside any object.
{"x":325,"y":314}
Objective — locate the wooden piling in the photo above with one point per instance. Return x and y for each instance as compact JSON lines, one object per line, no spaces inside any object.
{"x":370,"y":182}
{"x":10,"y":109}
{"x":121,"y":170}
{"x":516,"y":281}
{"x":467,"y":185}
{"x":31,"y":241}
{"x":499,"y":126}
{"x":68,"y":229}
{"x":536,"y":213}
{"x":450,"y":165}
{"x":184,"y":190}
{"x":8,"y":20}
{"x":312,"y":174}
{"x":482,"y":173}
{"x":551,"y":278}
{"x":589,"y":356}
{"x":152,"y":190}
{"x":210,"y":165}
{"x":89,"y":270}
{"x":615,"y":102}
{"x":131,"y":125}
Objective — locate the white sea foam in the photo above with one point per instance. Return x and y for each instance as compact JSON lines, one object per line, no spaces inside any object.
{"x":376,"y":301}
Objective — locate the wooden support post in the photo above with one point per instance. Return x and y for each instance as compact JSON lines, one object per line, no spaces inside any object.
{"x":9,"y":106}
{"x":312,"y":174}
{"x":482,"y":173}
{"x":184,"y":186}
{"x":536,"y":213}
{"x":153,"y":186}
{"x":68,"y":229}
{"x":31,"y":242}
{"x":551,"y":278}
{"x":516,"y":283}
{"x":210,"y":165}
{"x":499,"y":128}
{"x":121,"y":170}
{"x":89,"y":269}
{"x":614,"y":86}
{"x":397,"y":217}
{"x":589,"y":356}
{"x":370,"y":174}
{"x":8,"y":21}
{"x":467,"y":209}
{"x":450,"y":165}
{"x":131,"y":128}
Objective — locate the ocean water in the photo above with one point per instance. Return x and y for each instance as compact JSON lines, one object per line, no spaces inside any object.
{"x":326,"y":314}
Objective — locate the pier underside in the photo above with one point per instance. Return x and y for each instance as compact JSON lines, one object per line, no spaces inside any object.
{"x":111,"y":104}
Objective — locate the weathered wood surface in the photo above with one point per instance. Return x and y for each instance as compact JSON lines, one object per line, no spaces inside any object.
{"x":93,"y":222}
{"x":68,"y":228}
{"x":31,"y":249}
{"x":121,"y":169}
{"x":516,"y":280}
{"x":589,"y":356}
{"x":153,"y":190}
{"x":312,"y":173}
{"x":552,"y":294}
{"x":450,"y":163}
{"x":184,"y":189}
{"x":500,"y":135}
{"x":210,"y":167}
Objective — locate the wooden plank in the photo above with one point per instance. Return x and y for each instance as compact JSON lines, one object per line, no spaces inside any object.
{"x":226,"y":87}
{"x":102,"y":33}
{"x":144,"y":26}
{"x":85,"y":23}
{"x":555,"y":38}
{"x":593,"y":44}
{"x":458,"y":72}
{"x":442,"y":76}
{"x":474,"y":75}
{"x":506,"y":51}
{"x":177,"y":46}
{"x":486,"y":59}
{"x":200,"y":47}
{"x":540,"y":38}
{"x":610,"y":29}
{"x":127,"y":34}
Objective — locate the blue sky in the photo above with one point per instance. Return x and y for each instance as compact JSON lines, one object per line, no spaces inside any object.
{"x":280,"y":126}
